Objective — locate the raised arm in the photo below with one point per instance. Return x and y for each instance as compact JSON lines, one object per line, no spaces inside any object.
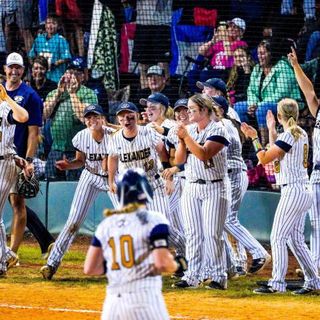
{"x":305,"y":84}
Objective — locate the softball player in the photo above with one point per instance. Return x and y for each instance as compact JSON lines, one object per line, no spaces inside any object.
{"x":10,"y":114}
{"x":291,"y":152}
{"x":91,"y":145}
{"x":237,"y":172}
{"x":313,"y":104}
{"x":130,"y":246}
{"x":205,"y":199}
{"x":137,"y":146}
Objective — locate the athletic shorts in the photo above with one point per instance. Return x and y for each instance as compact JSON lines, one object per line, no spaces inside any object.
{"x":152,"y":44}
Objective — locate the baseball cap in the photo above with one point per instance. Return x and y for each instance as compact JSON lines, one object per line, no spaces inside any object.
{"x":239,"y":23}
{"x":93,"y":108}
{"x":77,"y":63}
{"x":14,"y":58}
{"x":156,"y":98}
{"x":222,"y":103}
{"x":127,"y":106}
{"x":181,"y":103}
{"x":155,"y":70}
{"x":213,"y":83}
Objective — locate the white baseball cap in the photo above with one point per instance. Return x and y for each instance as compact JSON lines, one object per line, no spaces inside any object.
{"x":239,"y":23}
{"x":14,"y":58}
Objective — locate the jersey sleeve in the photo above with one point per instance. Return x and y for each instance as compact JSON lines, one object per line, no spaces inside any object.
{"x":76,"y":141}
{"x":112,"y":150}
{"x":285,"y":141}
{"x":160,"y":231}
{"x":154,"y":136}
{"x":219,"y":135}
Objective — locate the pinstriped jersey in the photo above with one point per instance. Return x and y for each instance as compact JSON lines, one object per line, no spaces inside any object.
{"x":234,"y":151}
{"x":126,"y":244}
{"x":6,"y":131}
{"x":139,"y":152}
{"x":214,"y":168}
{"x":94,"y":151}
{"x":293,"y":166}
{"x":315,"y":176}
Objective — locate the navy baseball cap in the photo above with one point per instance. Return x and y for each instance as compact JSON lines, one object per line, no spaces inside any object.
{"x":77,"y":63}
{"x":127,"y":106}
{"x":222,"y":103}
{"x":181,"y":103}
{"x":93,"y":108}
{"x":213,"y":83}
{"x":156,"y":98}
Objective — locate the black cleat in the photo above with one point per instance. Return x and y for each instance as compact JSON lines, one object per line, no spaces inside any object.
{"x":183,"y":284}
{"x":303,"y":291}
{"x":215,"y":285}
{"x":259,"y":264}
{"x":265,"y":290}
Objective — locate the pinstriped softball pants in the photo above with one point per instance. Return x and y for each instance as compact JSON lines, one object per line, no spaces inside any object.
{"x":314,"y":215}
{"x":175,"y":203}
{"x":8,"y":177}
{"x":161,"y":204}
{"x":239,"y":185}
{"x":287,"y":229}
{"x":135,"y":305}
{"x":204,"y":208}
{"x":88,"y":188}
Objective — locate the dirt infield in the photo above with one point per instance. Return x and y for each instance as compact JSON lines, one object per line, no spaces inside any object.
{"x":71,"y":295}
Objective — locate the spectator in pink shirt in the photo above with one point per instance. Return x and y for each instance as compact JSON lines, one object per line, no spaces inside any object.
{"x":219,"y":50}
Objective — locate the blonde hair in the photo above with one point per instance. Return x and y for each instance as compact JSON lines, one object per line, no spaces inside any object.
{"x":131,"y":207}
{"x":288,"y":109}
{"x":204,"y":101}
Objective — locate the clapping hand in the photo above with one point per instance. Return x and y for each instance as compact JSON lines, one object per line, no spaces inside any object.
{"x":271,"y":121}
{"x":3,"y":93}
{"x":249,"y":131}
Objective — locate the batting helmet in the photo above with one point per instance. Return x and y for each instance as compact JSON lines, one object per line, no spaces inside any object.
{"x":133,"y":186}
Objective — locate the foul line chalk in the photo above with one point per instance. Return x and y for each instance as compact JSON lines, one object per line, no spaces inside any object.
{"x":13,"y":306}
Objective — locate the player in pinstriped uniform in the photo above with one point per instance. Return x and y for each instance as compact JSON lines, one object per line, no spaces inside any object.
{"x":136,"y":146}
{"x":237,"y":172}
{"x":158,"y":112}
{"x":290,"y":150}
{"x":314,"y":107}
{"x":177,"y":172}
{"x":205,"y":197}
{"x":130,"y":246}
{"x":91,"y":146}
{"x":10,"y":114}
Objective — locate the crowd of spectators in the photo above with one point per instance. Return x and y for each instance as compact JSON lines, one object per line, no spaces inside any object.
{"x":73,"y":52}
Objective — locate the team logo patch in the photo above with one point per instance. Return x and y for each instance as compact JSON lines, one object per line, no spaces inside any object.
{"x":18,"y":99}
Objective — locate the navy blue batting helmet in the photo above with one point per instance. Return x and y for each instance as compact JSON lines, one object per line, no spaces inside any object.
{"x":133,"y":186}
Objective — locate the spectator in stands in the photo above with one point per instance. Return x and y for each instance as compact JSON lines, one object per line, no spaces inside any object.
{"x":220,"y":50}
{"x":53,"y":47}
{"x":39,"y":81}
{"x":64,"y":106}
{"x":157,"y":82}
{"x":152,"y":41}
{"x":272,"y":79}
{"x":69,"y":12}
{"x":239,"y":77}
{"x":313,"y":46}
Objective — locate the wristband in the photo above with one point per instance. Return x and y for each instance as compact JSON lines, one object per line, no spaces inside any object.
{"x":182,"y":264}
{"x":165,"y":165}
{"x":180,"y":167}
{"x":29,"y":159}
{"x":257,"y":145}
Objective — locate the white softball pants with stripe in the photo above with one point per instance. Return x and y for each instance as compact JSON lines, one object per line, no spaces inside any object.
{"x":135,"y":305}
{"x":314,"y":215}
{"x":239,"y":185}
{"x":161,"y":204}
{"x":8,"y":177}
{"x":88,"y":188}
{"x":204,"y":208}
{"x":287,"y":229}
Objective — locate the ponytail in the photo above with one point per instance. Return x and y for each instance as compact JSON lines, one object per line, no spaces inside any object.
{"x":294,"y":128}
